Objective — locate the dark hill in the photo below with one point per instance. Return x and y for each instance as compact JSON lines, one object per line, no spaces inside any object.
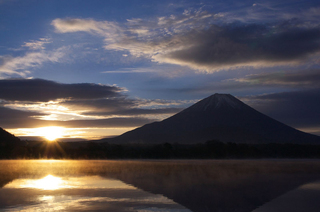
{"x":6,"y":138}
{"x":220,"y":117}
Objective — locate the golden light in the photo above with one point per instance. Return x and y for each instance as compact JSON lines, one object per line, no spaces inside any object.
{"x":86,"y":133}
{"x":51,"y":182}
{"x":51,"y":133}
{"x":47,"y":183}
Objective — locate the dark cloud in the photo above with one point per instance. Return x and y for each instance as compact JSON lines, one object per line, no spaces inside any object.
{"x":252,"y":45}
{"x":138,"y":111}
{"x":11,"y":118}
{"x":111,"y":122}
{"x":305,"y":78}
{"x":45,"y":90}
{"x":298,"y":108}
{"x":7,"y":115}
{"x":118,"y":106}
{"x":84,"y":99}
{"x":23,"y":119}
{"x":105,"y":105}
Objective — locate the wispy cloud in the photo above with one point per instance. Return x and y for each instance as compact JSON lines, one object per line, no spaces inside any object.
{"x":21,"y":66}
{"x":37,"y":44}
{"x":205,"y":41}
{"x":130,"y":70}
{"x":296,"y":79}
{"x":272,"y":12}
{"x":109,"y":30}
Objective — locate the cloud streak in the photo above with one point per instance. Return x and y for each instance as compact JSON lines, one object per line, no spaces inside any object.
{"x":27,"y":103}
{"x":111,"y":31}
{"x":37,"y":45}
{"x":21,"y":66}
{"x":298,"y":79}
{"x":202,"y":41}
{"x":24,"y":119}
{"x":45,"y":90}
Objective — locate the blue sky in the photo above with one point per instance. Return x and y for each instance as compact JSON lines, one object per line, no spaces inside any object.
{"x":100,"y":68}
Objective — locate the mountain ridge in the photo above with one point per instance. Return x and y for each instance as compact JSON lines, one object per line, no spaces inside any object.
{"x":217,"y":117}
{"x":6,"y":137}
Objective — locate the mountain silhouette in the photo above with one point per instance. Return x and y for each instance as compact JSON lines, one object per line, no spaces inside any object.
{"x":218,"y":117}
{"x":6,"y":137}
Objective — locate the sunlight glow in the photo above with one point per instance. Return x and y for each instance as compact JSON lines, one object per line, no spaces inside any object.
{"x":51,"y":133}
{"x":104,"y":193}
{"x":85,"y":133}
{"x":51,"y":182}
{"x":47,"y":183}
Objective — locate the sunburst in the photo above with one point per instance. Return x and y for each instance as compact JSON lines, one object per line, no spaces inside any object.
{"x":51,"y":133}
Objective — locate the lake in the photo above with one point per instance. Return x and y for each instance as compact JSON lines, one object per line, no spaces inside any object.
{"x":149,"y":185}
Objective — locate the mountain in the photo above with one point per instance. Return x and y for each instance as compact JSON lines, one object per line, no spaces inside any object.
{"x":221,"y":117}
{"x":6,"y":138}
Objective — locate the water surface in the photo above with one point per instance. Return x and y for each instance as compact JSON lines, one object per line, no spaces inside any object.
{"x":143,"y":186}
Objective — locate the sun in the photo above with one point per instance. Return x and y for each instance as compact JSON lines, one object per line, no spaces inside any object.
{"x":51,"y":133}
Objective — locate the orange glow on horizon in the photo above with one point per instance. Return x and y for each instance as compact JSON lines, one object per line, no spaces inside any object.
{"x":52,"y":133}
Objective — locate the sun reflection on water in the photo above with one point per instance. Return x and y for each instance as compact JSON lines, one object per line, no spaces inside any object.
{"x":47,"y":183}
{"x":83,"y":193}
{"x":51,"y":182}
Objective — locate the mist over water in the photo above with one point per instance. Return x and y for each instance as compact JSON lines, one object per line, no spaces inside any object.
{"x":143,"y":186}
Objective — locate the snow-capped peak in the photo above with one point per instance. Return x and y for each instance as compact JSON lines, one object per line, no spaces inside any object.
{"x":216,"y":101}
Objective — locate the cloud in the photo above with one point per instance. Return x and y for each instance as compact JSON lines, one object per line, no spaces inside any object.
{"x":110,"y":123}
{"x":271,"y":12}
{"x":167,"y":71}
{"x":122,"y":106}
{"x":37,"y":45}
{"x":204,"y":41}
{"x":130,"y":70}
{"x":20,"y":65}
{"x":244,"y":46}
{"x":301,"y":79}
{"x":111,"y":31}
{"x":264,"y":82}
{"x":7,"y":114}
{"x":27,"y":103}
{"x":299,"y":109}
{"x":45,"y":90}
{"x":138,"y":112}
{"x":99,"y":114}
{"x":30,"y":122}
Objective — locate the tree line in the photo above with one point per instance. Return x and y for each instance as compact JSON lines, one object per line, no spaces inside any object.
{"x":212,"y":149}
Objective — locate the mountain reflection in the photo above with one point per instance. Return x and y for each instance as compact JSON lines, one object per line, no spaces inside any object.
{"x":83,"y":193}
{"x":146,"y":185}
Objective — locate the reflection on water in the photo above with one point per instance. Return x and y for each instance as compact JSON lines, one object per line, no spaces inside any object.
{"x":149,"y":186}
{"x":86,"y":193}
{"x":304,"y":198}
{"x":47,"y":183}
{"x":52,"y":183}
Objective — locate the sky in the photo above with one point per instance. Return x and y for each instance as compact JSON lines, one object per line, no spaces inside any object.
{"x":93,"y":69}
